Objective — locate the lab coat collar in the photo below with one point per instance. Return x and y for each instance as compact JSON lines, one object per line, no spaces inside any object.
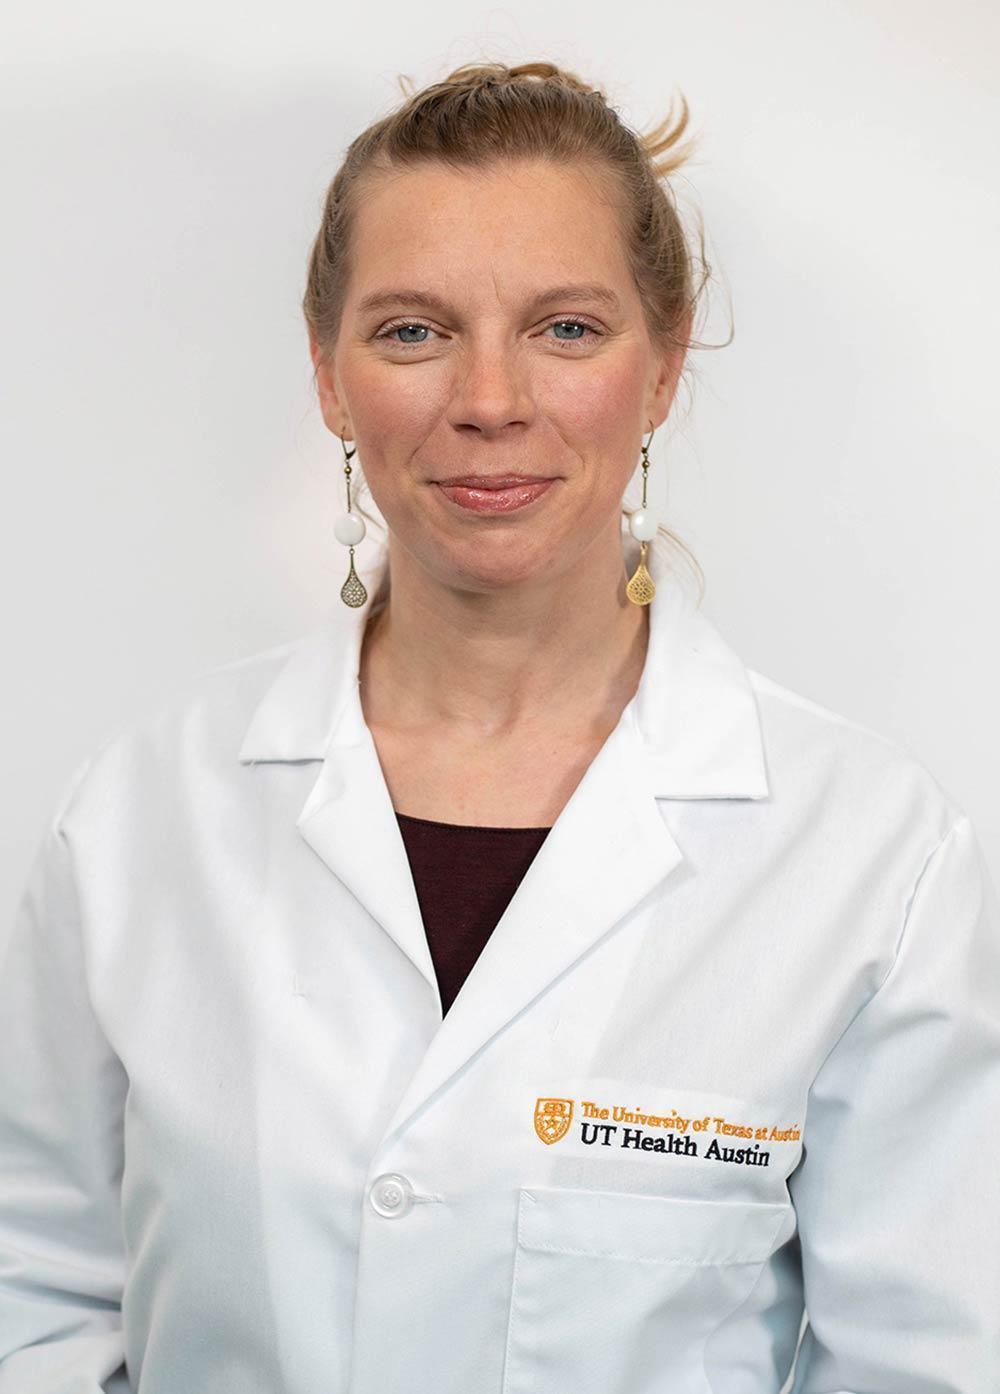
{"x":691,"y":731}
{"x":694,"y":712}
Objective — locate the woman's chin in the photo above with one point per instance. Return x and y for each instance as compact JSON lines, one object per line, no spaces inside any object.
{"x":492,"y":564}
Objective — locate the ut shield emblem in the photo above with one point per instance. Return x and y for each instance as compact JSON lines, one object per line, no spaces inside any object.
{"x":552,"y":1118}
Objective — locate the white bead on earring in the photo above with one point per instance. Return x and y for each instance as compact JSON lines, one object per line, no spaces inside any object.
{"x":642,"y":525}
{"x":349,"y":528}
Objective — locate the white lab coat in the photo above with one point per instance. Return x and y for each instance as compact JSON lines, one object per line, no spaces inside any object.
{"x":734,"y":1045}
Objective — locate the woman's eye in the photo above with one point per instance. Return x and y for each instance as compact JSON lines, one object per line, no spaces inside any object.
{"x":391,"y":329}
{"x":573,"y":324}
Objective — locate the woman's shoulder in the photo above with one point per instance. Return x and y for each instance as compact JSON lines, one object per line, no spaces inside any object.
{"x":820,"y":756}
{"x":196,"y":730}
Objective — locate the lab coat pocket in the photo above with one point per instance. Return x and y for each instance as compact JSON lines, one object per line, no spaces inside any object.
{"x":616,"y":1292}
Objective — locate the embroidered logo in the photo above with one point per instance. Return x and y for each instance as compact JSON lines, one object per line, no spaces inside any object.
{"x":552,"y":1118}
{"x":706,"y":1129}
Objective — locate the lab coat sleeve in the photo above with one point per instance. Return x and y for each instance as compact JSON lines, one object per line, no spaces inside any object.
{"x":62,"y":1093}
{"x":897,"y":1193}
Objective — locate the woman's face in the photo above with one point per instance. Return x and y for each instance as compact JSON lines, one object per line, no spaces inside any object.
{"x":491,"y":328}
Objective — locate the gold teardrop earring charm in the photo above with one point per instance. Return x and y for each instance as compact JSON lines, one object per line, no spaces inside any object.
{"x":350,"y":529}
{"x":642,"y":525}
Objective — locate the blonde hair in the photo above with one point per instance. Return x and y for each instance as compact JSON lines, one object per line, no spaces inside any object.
{"x":481,"y":113}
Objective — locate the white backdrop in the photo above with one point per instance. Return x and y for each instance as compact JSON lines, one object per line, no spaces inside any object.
{"x":169,"y":488}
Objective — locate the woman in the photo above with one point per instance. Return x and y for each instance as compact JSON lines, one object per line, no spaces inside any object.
{"x":503,"y":988}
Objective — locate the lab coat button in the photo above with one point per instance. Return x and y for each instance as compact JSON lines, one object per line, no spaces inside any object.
{"x":391,"y":1195}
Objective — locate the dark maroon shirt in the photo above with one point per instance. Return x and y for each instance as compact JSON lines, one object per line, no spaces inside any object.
{"x":465,"y":877}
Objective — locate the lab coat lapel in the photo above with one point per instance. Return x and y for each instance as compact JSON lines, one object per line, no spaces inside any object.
{"x":608,"y":849}
{"x":349,"y":821}
{"x":312,"y":712}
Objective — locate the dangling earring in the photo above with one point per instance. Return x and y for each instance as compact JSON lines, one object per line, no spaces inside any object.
{"x":642,"y":525}
{"x":349,"y":528}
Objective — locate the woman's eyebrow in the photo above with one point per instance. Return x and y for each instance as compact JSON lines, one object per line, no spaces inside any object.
{"x":385,"y":299}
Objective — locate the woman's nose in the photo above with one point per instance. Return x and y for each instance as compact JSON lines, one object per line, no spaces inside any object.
{"x":492,"y":389}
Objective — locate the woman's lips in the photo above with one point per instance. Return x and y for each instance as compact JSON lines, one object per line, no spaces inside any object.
{"x":502,"y":500}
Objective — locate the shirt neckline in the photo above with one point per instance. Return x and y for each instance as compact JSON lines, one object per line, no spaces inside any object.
{"x":464,"y":827}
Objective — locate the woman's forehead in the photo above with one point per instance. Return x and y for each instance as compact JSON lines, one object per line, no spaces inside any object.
{"x":535,"y":225}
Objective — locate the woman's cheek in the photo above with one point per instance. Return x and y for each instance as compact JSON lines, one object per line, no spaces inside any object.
{"x":601,"y":402}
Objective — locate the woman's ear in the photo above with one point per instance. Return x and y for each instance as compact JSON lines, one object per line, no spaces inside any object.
{"x":666,"y":375}
{"x":330,"y":405}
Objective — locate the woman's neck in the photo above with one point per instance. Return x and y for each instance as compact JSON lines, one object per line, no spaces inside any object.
{"x":566,"y":654}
